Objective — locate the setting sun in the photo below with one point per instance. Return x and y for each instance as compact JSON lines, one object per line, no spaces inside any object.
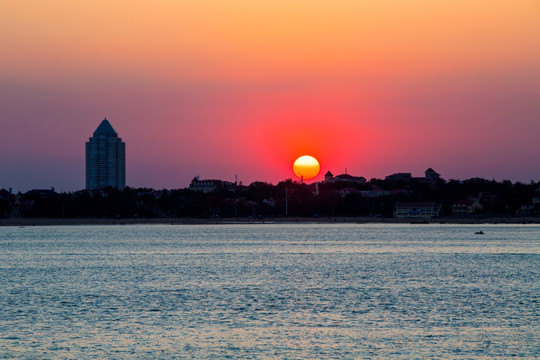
{"x":306,"y":167}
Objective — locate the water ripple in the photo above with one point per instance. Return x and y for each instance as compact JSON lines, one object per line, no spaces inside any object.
{"x":269,"y":291}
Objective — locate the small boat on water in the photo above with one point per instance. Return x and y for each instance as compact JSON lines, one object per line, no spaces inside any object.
{"x":479,"y":232}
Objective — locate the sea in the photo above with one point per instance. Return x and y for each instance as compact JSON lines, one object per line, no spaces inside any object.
{"x":270,"y":291}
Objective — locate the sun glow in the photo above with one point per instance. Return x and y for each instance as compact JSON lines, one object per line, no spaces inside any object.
{"x":306,"y":167}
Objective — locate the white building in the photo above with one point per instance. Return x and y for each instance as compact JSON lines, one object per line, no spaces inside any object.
{"x":417,"y":210}
{"x":105,"y":159}
{"x":466,"y":207}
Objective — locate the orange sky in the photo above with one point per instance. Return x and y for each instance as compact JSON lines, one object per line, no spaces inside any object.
{"x":219,"y":88}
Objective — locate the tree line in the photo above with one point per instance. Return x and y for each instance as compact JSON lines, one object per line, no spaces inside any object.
{"x":264,"y":200}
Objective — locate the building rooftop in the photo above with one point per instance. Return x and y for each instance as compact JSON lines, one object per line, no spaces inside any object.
{"x":105,"y":128}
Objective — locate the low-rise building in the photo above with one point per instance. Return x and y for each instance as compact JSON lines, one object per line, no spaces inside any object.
{"x":4,"y":194}
{"x":209,"y":185}
{"x":466,"y":207}
{"x":350,"y":178}
{"x":43,"y":193}
{"x":399,"y":177}
{"x":374,"y":193}
{"x":526,"y":210}
{"x":417,"y":210}
{"x":536,"y":204}
{"x":430,"y":177}
{"x":329,"y":178}
{"x":431,"y":174}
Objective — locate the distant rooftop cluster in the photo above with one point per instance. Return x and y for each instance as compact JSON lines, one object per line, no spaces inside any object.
{"x":399,"y":195}
{"x":210,"y":185}
{"x":431,"y":176}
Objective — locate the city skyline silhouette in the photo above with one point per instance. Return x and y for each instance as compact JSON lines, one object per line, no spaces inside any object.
{"x":225,"y":89}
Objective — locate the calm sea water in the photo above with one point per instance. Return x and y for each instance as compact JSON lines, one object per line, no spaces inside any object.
{"x":306,"y":291}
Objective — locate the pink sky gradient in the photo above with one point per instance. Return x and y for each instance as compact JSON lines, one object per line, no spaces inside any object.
{"x":219,"y":88}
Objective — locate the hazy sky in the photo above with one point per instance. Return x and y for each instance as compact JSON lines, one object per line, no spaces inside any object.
{"x":223,"y":87}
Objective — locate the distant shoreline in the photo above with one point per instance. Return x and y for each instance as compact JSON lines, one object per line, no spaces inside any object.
{"x":276,"y":220}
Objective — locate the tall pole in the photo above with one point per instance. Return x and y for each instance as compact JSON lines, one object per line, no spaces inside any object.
{"x":286,"y":201}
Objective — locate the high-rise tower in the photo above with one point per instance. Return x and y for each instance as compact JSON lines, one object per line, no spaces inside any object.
{"x":105,"y":159}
